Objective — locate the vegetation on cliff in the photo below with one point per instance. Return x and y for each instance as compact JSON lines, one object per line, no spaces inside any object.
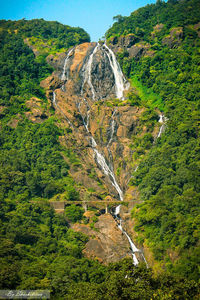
{"x":168,"y":177}
{"x":38,"y":249}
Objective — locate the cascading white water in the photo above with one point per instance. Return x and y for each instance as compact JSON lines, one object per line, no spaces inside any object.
{"x":101,"y":160}
{"x":119,"y":77}
{"x":112,"y":128}
{"x":134,"y":249}
{"x":54,"y":99}
{"x":88,"y":115}
{"x":63,"y":76}
{"x":107,"y":171}
{"x":87,"y":72}
{"x":162,"y":128}
{"x":117,"y":210}
{"x":119,"y":85}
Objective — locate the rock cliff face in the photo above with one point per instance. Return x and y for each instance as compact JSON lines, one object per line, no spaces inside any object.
{"x":83,"y":84}
{"x":173,"y":40}
{"x":100,"y":129}
{"x":81,"y":78}
{"x":131,"y":45}
{"x":106,"y":243}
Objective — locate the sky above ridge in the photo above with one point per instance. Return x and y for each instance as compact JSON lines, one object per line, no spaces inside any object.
{"x":95,"y":16}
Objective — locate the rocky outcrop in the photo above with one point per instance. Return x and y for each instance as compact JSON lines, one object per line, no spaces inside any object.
{"x":75,"y":72}
{"x":51,"y":83}
{"x":173,"y":40}
{"x":156,"y":30}
{"x":37,"y":113}
{"x":2,"y":108}
{"x":14,"y":121}
{"x":131,"y":45}
{"x":32,"y":47}
{"x":79,"y":91}
{"x":119,"y":44}
{"x":106,"y":242}
{"x":141,"y":49}
{"x":100,"y":129}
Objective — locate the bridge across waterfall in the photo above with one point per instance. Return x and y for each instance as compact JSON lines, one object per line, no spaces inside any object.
{"x":59,"y":206}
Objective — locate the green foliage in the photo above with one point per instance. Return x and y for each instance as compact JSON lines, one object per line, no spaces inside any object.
{"x":32,"y":164}
{"x":74,"y":213}
{"x":142,"y":21}
{"x":147,"y":96}
{"x":72,"y":193}
{"x":134,"y":99}
{"x":123,"y":281}
{"x":20,"y":74}
{"x":63,"y":36}
{"x":94,"y":220}
{"x":168,"y":176}
{"x":38,"y":250}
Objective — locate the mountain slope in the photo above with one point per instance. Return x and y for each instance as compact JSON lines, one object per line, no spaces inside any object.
{"x":158,"y":47}
{"x":69,"y":138}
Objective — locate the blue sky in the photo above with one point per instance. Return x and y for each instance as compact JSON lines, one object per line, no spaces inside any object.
{"x":95,"y":16}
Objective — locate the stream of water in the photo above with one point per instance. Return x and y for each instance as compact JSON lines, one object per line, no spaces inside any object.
{"x":162,"y":120}
{"x":87,"y":72}
{"x":118,"y":75}
{"x":107,"y":169}
{"x":65,"y":76}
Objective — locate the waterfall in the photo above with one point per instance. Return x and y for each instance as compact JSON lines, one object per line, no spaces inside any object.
{"x":134,"y":249}
{"x":107,"y":171}
{"x":63,"y":76}
{"x":119,"y":77}
{"x":162,"y":120}
{"x":54,"y":99}
{"x":87,"y":72}
{"x":88,"y":115}
{"x":112,"y":128}
{"x":120,"y":85}
{"x":99,"y":158}
{"x":117,"y":210}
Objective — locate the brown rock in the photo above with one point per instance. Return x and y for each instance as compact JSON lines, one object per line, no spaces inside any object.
{"x":156,"y":30}
{"x":122,"y":42}
{"x":34,"y":49}
{"x":37,"y":113}
{"x":109,"y":244}
{"x":173,"y":40}
{"x":14,"y":122}
{"x":128,"y":44}
{"x":2,"y":108}
{"x":140,"y":49}
{"x":79,"y":55}
{"x":51,"y":83}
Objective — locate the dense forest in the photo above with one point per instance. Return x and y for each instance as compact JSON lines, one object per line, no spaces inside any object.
{"x":38,"y":248}
{"x":168,"y":177}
